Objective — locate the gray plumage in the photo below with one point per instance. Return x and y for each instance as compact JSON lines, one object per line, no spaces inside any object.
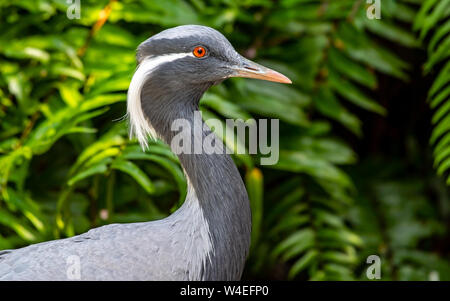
{"x":208,"y":238}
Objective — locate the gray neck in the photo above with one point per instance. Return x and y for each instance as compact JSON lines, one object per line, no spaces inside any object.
{"x":214,"y":179}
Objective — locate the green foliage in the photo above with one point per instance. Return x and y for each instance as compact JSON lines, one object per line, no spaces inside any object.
{"x":397,"y":221}
{"x":433,"y":24}
{"x":67,"y":165}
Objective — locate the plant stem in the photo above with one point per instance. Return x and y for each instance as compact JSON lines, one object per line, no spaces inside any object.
{"x":102,"y":18}
{"x":110,"y":195}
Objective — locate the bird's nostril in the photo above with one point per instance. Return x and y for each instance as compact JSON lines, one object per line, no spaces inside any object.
{"x":250,"y":68}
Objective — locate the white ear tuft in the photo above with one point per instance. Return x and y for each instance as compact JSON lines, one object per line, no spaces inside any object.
{"x":140,"y":127}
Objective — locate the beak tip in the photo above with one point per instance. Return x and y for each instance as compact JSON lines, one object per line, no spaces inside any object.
{"x":254,"y":70}
{"x":278,"y":77}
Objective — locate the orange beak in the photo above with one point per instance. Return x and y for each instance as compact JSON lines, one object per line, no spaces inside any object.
{"x":251,"y":69}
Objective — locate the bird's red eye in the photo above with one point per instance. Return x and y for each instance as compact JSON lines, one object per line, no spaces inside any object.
{"x":199,"y":51}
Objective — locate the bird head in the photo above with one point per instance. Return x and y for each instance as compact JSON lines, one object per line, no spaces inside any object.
{"x":182,"y":63}
{"x":199,"y":55}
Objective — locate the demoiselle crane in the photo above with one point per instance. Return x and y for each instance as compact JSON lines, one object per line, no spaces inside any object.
{"x":208,"y":237}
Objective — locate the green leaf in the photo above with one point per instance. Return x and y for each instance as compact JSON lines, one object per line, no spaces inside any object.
{"x":440,"y":54}
{"x":302,"y":162}
{"x":99,"y":168}
{"x":340,"y":235}
{"x":327,"y":104}
{"x":444,"y":95}
{"x":303,"y":263}
{"x":15,"y":224}
{"x":431,"y":20}
{"x":134,"y":153}
{"x":351,"y":69}
{"x":391,"y":32}
{"x":70,"y":94}
{"x":441,"y":80}
{"x":339,"y":257}
{"x":98,"y":147}
{"x":29,"y":208}
{"x":133,"y":170}
{"x":361,"y":49}
{"x":101,"y":100}
{"x":254,"y":184}
{"x":304,"y":237}
{"x":353,"y":94}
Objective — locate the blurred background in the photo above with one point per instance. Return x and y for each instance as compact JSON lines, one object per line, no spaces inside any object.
{"x":364,"y":128}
